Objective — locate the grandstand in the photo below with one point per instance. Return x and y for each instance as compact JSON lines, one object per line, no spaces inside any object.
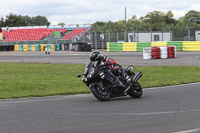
{"x":37,"y":33}
{"x":76,"y":32}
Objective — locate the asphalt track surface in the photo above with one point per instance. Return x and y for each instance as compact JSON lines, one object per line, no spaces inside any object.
{"x":123,"y":58}
{"x":171,"y":109}
{"x":174,"y":109}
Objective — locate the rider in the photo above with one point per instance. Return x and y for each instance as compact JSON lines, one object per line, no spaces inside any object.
{"x":115,"y":68}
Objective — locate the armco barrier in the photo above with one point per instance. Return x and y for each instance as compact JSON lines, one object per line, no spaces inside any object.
{"x":131,"y":46}
{"x":191,"y":46}
{"x":141,"y":45}
{"x":179,"y":45}
{"x":111,"y":46}
{"x":158,"y":44}
{"x":114,"y":46}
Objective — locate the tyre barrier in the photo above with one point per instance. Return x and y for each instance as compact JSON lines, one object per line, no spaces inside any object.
{"x":7,"y":48}
{"x":159,"y":52}
{"x":171,"y":51}
{"x":147,"y":53}
{"x":163,"y":52}
{"x":155,"y":52}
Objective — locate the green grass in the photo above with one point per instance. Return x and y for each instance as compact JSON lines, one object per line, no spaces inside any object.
{"x":33,"y":80}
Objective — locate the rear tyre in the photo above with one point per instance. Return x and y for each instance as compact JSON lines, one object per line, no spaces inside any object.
{"x":135,"y":91}
{"x":100,"y":94}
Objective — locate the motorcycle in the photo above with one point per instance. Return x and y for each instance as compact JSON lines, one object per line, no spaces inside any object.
{"x":105,"y":85}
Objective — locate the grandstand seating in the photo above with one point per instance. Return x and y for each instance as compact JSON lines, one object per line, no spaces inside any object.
{"x":28,"y":34}
{"x":38,"y":34}
{"x":75,"y":32}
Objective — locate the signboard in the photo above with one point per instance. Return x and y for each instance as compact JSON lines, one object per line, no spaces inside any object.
{"x":101,"y":36}
{"x":88,"y":37}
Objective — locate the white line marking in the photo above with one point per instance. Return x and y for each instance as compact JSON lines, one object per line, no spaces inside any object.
{"x":188,"y":131}
{"x":154,"y":88}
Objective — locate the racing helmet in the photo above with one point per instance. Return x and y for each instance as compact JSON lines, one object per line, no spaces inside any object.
{"x":95,"y":56}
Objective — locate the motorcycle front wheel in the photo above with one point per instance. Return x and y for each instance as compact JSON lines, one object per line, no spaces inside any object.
{"x":100,"y":94}
{"x":135,"y":91}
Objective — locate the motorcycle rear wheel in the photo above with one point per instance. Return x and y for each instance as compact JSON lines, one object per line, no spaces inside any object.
{"x":100,"y":94}
{"x":135,"y":91}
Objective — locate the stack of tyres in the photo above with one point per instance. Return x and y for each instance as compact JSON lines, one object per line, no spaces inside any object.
{"x":20,"y":48}
{"x":25,"y":47}
{"x":28,"y":47}
{"x":175,"y":50}
{"x":171,"y":51}
{"x":156,"y":52}
{"x":16,"y":48}
{"x":37,"y":47}
{"x":163,"y":52}
{"x":33,"y":47}
{"x":147,"y":53}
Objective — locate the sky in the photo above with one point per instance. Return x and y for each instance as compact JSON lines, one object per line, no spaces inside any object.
{"x":91,"y":11}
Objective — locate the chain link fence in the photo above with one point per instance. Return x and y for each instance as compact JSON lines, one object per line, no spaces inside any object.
{"x":99,"y":39}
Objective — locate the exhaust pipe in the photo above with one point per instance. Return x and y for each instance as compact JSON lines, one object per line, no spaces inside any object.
{"x":137,"y":76}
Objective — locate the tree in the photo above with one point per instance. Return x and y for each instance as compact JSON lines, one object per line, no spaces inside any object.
{"x":40,"y":20}
{"x":14,"y":20}
{"x":158,"y":20}
{"x":19,"y":20}
{"x":191,"y":19}
{"x":62,"y":24}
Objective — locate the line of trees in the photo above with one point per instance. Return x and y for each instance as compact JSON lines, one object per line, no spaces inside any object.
{"x":156,"y":20}
{"x":12,"y":20}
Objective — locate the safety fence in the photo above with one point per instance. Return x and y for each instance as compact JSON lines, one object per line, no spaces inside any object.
{"x":138,"y":46}
{"x":37,"y":47}
{"x":47,"y":47}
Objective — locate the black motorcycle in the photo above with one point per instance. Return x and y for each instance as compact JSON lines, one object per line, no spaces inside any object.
{"x":105,"y":85}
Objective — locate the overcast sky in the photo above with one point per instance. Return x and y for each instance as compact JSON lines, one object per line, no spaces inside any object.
{"x":90,"y":11}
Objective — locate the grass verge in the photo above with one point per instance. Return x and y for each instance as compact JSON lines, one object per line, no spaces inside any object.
{"x":33,"y":80}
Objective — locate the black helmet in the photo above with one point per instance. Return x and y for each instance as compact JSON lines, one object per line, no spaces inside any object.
{"x":95,"y":56}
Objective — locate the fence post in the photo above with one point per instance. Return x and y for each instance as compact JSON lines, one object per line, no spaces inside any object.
{"x":151,"y":33}
{"x":188,"y":33}
{"x":117,"y":35}
{"x":170,"y":33}
{"x":133,"y":34}
{"x":102,"y":40}
{"x":72,"y":37}
{"x":124,"y":34}
{"x":95,"y":39}
{"x":108,"y":35}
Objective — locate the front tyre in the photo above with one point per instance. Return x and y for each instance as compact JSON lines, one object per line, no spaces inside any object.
{"x":135,"y":91}
{"x":100,"y":94}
